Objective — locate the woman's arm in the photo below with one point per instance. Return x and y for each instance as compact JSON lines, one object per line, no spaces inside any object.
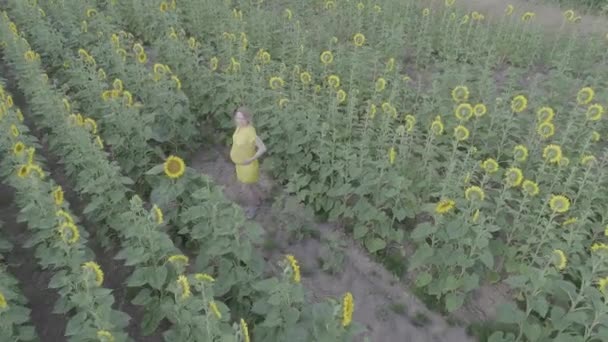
{"x":260,"y":150}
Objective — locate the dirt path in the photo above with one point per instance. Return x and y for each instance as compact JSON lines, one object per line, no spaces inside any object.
{"x":381,"y":304}
{"x":547,"y":15}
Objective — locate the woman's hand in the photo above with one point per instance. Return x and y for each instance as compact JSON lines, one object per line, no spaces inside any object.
{"x":247,"y":162}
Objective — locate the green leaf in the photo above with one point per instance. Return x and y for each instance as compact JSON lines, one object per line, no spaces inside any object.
{"x":422,"y":254}
{"x":532,"y":331}
{"x":487,"y":258}
{"x":510,"y":314}
{"x":151,"y":320}
{"x":156,"y":170}
{"x":374,"y":244}
{"x":453,"y":301}
{"x":157,"y":277}
{"x":423,"y":279}
{"x":540,"y":305}
{"x":423,"y":230}
{"x":360,"y":231}
{"x":76,"y":324}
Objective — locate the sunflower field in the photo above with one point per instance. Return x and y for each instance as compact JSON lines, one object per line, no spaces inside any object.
{"x":471,"y":147}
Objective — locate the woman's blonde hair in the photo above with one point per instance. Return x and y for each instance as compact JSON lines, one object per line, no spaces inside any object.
{"x":246,"y":113}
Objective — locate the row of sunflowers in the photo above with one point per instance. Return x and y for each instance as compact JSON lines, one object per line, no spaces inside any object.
{"x":241,"y":284}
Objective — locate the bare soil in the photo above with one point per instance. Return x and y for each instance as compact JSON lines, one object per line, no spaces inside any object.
{"x":382,"y":304}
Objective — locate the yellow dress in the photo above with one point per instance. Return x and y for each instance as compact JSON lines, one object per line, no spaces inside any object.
{"x":243,"y":148}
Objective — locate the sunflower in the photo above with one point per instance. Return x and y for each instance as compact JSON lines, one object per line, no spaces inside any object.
{"x":99,"y":141}
{"x":480,"y":110}
{"x":178,"y":83}
{"x":528,"y":16}
{"x":94,"y":268}
{"x":69,"y":232}
{"x":546,"y":129}
{"x":410,"y":121}
{"x":437,"y":126}
{"x":444,"y":206}
{"x":426,"y":12}
{"x":602,"y":285}
{"x":594,"y":112}
{"x":295,"y":268}
{"x":122,"y":53}
{"x":142,"y":57}
{"x":157,"y":214}
{"x":214,"y":309}
{"x":326,"y":57}
{"x":552,"y":153}
{"x":14,"y":131}
{"x":164,"y":7}
{"x":19,"y":115}
{"x":174,"y":167}
{"x":564,"y":162}
{"x":474,"y":194}
{"x":585,"y":96}
{"x":514,"y":177}
{"x":105,"y":336}
{"x":489,"y":165}
{"x":213,"y":63}
{"x":545,"y":114}
{"x":341,"y":96}
{"x":449,"y":3}
{"x":91,"y":125}
{"x":288,"y":14}
{"x":305,"y":78}
{"x":127,"y":98}
{"x":204,"y":277}
{"x":595,"y":136}
{"x":599,"y":247}
{"x":463,"y":111}
{"x":380,"y":84}
{"x":559,"y":259}
{"x":519,"y":104}
{"x":570,"y":221}
{"x":461,"y":133}
{"x":64,"y":215}
{"x":530,"y":188}
{"x":569,"y":15}
{"x":91,"y":12}
{"x":348,"y":307}
{"x":58,"y":195}
{"x":477,"y":16}
{"x":559,"y":204}
{"x":460,"y":94}
{"x":37,"y":169}
{"x":3,"y":302}
{"x":390,"y":64}
{"x":276,"y":82}
{"x":359,"y":39}
{"x":18,"y":148}
{"x":377,"y":8}
{"x":392,"y":154}
{"x":101,"y":74}
{"x":9,"y":101}
{"x":330,"y":5}
{"x":283,"y":102}
{"x":184,"y":286}
{"x":333,"y":81}
{"x":244,"y":330}
{"x":465,"y":19}
{"x":475,"y":217}
{"x":588,"y":160}
{"x":178,"y":260}
{"x":23,"y":171}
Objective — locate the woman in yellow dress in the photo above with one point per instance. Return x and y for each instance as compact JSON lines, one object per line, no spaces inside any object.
{"x":247,"y":147}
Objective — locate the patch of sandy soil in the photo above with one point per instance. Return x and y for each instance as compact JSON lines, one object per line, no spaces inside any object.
{"x":548,"y":16}
{"x":382,"y":304}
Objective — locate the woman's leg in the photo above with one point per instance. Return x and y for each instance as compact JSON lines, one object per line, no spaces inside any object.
{"x":251,"y":198}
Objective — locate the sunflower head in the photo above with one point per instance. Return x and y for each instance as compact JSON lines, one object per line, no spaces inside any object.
{"x":341,"y":96}
{"x":276,"y":82}
{"x":105,"y":336}
{"x":392,"y":155}
{"x":602,"y":285}
{"x":545,"y":114}
{"x":585,"y":96}
{"x":552,"y":153}
{"x":215,"y":310}
{"x":426,"y":12}
{"x":474,"y":194}
{"x":437,"y":126}
{"x":3,"y":302}
{"x":184,"y":287}
{"x":359,"y":39}
{"x":588,"y":160}
{"x":546,"y":129}
{"x":514,"y":177}
{"x":69,"y":232}
{"x":174,"y":167}
{"x":528,"y":16}
{"x":18,"y":148}
{"x":92,"y":270}
{"x":460,"y":94}
{"x":305,"y":78}
{"x":444,"y":206}
{"x":594,"y":112}
{"x":142,"y":57}
{"x":14,"y":131}
{"x":244,"y":330}
{"x":489,"y":165}
{"x":410,"y":122}
{"x":333,"y":81}
{"x":559,"y":203}
{"x":519,"y":104}
{"x":213,"y":63}
{"x":595,"y":136}
{"x":480,"y":110}
{"x":461,"y":133}
{"x":283,"y":102}
{"x":294,"y":268}
{"x":157,"y":215}
{"x":380,"y":84}
{"x":23,"y":171}
{"x":463,"y":111}
{"x":327,"y":57}
{"x":348,"y":307}
{"x":530,"y":188}
{"x":559,"y":259}
{"x":58,"y":195}
{"x":204,"y":277}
